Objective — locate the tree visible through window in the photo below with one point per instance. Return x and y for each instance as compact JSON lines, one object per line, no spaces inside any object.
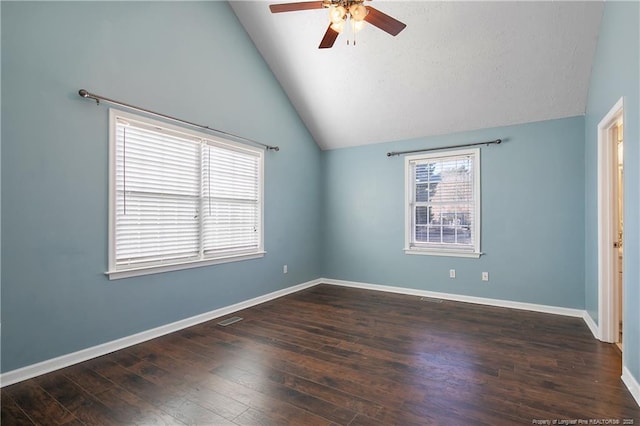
{"x":443,"y":203}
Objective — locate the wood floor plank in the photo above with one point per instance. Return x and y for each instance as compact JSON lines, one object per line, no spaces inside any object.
{"x":331,"y":366}
{"x":217,"y":402}
{"x":75,"y":399}
{"x":341,"y":399}
{"x":169,"y":353}
{"x":11,"y":413}
{"x":128,"y":408}
{"x":41,"y":406}
{"x":171,"y":399}
{"x":181,"y":375}
{"x":373,"y":387}
{"x":270,"y":409}
{"x":261,"y":383}
{"x":331,"y":355}
{"x":92,"y":382}
{"x":283,"y":370}
{"x":132,"y":382}
{"x":192,"y":413}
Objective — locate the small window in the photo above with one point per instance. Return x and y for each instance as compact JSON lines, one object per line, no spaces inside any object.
{"x":180,"y":198}
{"x":443,"y":203}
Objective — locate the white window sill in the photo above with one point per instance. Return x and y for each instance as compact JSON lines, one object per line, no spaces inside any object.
{"x":436,"y":252}
{"x":157,"y":269}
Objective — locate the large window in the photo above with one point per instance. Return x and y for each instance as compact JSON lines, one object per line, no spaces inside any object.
{"x":179,"y":198}
{"x":443,"y":203}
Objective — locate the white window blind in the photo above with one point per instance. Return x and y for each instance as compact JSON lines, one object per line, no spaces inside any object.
{"x":181,"y":197}
{"x":231,"y":195}
{"x":443,"y":200}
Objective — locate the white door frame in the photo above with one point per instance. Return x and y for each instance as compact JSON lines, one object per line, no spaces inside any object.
{"x":608,"y":326}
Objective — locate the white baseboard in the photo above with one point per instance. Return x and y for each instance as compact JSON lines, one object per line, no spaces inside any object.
{"x":595,"y":330}
{"x":57,"y":363}
{"x":631,"y":383}
{"x":557,"y":310}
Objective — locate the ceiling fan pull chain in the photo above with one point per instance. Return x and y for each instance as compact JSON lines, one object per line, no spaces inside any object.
{"x":354,"y":32}
{"x":348,"y":25}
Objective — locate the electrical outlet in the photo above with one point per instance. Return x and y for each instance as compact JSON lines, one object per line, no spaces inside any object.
{"x":285,"y":269}
{"x":452,"y":273}
{"x":485,"y":276}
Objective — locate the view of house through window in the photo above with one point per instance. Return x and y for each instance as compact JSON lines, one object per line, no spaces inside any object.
{"x":443,"y":214}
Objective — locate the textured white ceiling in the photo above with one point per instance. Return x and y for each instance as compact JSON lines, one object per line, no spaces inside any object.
{"x":457,"y":66}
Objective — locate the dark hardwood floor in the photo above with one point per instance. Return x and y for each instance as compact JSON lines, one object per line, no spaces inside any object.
{"x":334,"y":355}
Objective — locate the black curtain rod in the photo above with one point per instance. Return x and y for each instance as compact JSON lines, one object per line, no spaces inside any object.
{"x":497,"y":141}
{"x":86,"y":94}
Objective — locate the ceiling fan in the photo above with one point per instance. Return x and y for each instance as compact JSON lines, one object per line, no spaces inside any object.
{"x":341,"y":12}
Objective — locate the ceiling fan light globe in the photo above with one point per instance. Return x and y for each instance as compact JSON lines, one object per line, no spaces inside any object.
{"x":357,"y":25}
{"x":337,"y":14}
{"x":357,"y":12}
{"x":337,"y":26}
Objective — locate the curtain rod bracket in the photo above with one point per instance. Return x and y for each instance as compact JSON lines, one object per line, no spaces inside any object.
{"x":88,"y":95}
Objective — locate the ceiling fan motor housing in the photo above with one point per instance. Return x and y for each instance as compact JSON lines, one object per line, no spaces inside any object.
{"x":344,"y":3}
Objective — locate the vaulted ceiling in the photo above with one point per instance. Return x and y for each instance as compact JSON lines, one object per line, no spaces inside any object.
{"x":457,"y":66}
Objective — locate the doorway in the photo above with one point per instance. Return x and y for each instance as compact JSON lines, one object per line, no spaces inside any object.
{"x":618,"y":141}
{"x":611,"y":225}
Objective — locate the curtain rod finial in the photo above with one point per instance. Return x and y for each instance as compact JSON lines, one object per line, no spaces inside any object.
{"x":85,"y":94}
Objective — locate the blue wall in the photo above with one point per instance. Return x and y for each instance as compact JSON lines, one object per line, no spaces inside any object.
{"x":192,"y":60}
{"x":532,"y":217}
{"x":615,"y":74}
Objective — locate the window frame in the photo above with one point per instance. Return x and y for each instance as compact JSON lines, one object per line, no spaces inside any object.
{"x":117,"y":272}
{"x":409,"y":246}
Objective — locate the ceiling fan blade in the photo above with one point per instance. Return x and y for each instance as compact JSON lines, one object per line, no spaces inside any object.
{"x":384,"y":21}
{"x":329,"y":38}
{"x":292,"y":7}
